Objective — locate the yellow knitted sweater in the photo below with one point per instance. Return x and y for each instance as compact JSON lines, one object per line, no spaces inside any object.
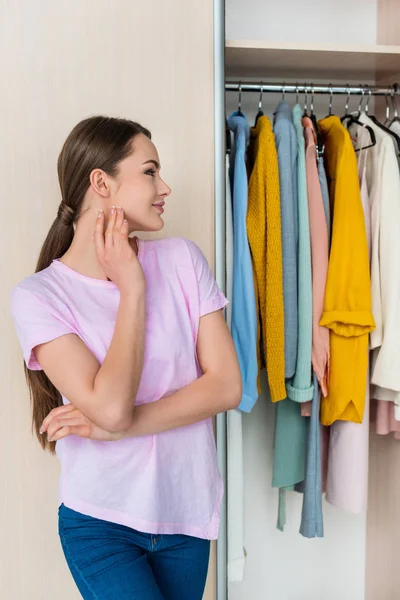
{"x":265,"y":239}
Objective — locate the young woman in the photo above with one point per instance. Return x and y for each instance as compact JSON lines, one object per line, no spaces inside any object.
{"x":127,"y":358}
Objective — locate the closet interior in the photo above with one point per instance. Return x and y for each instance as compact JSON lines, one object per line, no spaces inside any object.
{"x":331,"y":59}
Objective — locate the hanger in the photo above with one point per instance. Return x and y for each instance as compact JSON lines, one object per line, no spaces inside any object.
{"x":330,"y":100}
{"x":387,"y":114}
{"x":240,"y":99}
{"x":228,"y":143}
{"x":320,"y":145}
{"x":352,"y":119}
{"x":395,"y":119}
{"x":260,"y":112}
{"x":305,"y":113}
{"x":382,"y":126}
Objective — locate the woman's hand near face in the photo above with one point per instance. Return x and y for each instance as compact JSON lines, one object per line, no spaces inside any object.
{"x":115,"y":253}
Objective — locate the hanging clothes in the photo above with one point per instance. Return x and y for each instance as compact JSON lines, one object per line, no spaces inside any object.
{"x":347,"y":481}
{"x":301,"y":388}
{"x":286,"y":146}
{"x":235,"y":480}
{"x":319,"y":257}
{"x":347,"y":303}
{"x":264,"y":223}
{"x":291,"y":430}
{"x":244,"y":314}
{"x":312,"y":524}
{"x":383,"y":415}
{"x":384,"y":188}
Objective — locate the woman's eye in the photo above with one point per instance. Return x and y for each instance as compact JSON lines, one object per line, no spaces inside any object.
{"x":151,"y":172}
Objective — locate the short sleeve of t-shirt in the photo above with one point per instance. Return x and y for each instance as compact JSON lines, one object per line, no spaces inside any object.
{"x":210,"y":295}
{"x":35,"y":323}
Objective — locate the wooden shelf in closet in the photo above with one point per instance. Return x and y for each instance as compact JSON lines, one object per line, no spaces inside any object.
{"x":353,"y":63}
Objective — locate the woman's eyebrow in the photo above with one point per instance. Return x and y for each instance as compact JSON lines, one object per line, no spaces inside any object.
{"x":155,"y":163}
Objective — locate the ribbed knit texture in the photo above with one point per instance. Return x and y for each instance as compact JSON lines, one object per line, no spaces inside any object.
{"x":286,"y":146}
{"x":265,"y":239}
{"x":301,"y":388}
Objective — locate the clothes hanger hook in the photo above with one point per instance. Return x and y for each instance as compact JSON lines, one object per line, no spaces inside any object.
{"x":387,"y":114}
{"x":297,"y":93}
{"x":368,"y":99}
{"x":362,"y":100}
{"x":305,"y":98}
{"x":283,"y":91}
{"x":330,"y":100}
{"x":346,"y":108}
{"x":261,"y":94}
{"x":240,"y":97}
{"x":312,"y":100}
{"x":394,"y":102}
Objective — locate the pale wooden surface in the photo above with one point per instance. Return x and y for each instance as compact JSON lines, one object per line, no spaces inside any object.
{"x":388,"y":30}
{"x":383,"y":519}
{"x":353,"y":63}
{"x":61,"y":62}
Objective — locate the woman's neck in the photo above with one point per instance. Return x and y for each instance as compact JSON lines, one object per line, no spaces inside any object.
{"x":81,"y":255}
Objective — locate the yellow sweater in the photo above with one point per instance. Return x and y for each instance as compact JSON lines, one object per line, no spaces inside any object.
{"x":347,"y":305}
{"x":264,"y":234}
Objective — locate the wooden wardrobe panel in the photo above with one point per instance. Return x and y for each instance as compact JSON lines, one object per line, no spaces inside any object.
{"x":388,"y":15}
{"x":383,"y":519}
{"x":61,"y":62}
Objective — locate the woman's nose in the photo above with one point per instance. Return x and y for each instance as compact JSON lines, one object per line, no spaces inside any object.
{"x":165,"y":190}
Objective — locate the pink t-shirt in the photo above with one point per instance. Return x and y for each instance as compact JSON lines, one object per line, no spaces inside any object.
{"x":166,"y":483}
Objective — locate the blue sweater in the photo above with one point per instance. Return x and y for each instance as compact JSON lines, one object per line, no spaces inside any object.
{"x":244,"y":314}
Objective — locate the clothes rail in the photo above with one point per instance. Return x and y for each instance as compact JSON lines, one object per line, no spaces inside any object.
{"x":310,"y":88}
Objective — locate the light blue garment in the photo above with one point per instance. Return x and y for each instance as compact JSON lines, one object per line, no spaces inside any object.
{"x":291,"y":429}
{"x":286,"y":145}
{"x":311,"y":517}
{"x":301,"y":388}
{"x":244,"y":314}
{"x":312,"y":524}
{"x":325,"y":194}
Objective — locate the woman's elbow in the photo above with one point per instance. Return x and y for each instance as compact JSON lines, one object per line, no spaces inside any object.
{"x":233,"y":393}
{"x":117,"y":420}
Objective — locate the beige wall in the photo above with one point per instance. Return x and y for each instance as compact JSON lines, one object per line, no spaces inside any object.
{"x":60,"y":62}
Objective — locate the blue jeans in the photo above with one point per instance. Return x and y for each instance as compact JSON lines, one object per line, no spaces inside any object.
{"x":114,"y":562}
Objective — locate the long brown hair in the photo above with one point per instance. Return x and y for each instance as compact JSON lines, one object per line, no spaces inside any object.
{"x":95,"y":143}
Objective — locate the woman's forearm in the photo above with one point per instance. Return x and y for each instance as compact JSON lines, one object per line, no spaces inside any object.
{"x":118,"y":378}
{"x":205,"y":397}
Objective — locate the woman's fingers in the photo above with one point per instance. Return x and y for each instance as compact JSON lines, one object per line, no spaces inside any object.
{"x":98,"y":235}
{"x":65,"y":432}
{"x":119,"y":219}
{"x":109,"y":235}
{"x":61,"y":423}
{"x":55,"y":413}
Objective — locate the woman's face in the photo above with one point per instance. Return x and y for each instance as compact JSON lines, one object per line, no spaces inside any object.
{"x":139,"y":189}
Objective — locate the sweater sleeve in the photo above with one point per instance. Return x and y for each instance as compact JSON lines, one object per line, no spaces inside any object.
{"x":347,"y":303}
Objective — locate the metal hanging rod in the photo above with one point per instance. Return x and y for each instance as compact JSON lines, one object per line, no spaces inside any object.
{"x":298,"y":88}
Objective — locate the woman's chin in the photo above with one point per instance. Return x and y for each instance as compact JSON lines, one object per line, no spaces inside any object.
{"x":152,"y":225}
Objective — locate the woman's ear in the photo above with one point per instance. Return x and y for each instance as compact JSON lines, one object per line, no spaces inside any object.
{"x":100,"y":182}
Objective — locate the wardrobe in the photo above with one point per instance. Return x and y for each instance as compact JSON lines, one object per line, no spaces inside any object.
{"x":332,"y":44}
{"x":165,"y":64}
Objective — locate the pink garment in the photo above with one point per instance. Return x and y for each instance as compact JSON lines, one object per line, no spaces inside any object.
{"x":168,"y":483}
{"x":347,"y":484}
{"x":319,"y":262}
{"x":385,"y":419}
